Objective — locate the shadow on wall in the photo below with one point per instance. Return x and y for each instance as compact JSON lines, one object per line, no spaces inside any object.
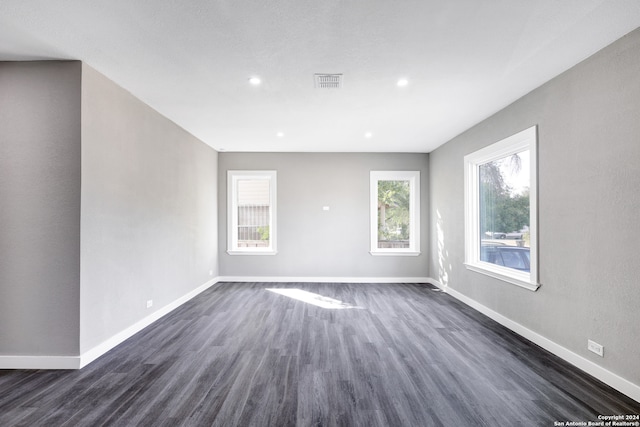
{"x":444,"y":266}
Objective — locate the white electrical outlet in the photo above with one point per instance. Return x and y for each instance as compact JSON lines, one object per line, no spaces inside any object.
{"x":595,"y":348}
{"x":210,"y":272}
{"x":149,"y":303}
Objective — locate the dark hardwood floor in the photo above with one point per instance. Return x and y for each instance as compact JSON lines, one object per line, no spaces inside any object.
{"x":240,"y":355}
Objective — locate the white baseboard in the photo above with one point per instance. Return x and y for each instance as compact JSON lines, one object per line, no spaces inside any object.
{"x":622,"y":385}
{"x":97,"y":351}
{"x":322,"y":279}
{"x":39,"y":362}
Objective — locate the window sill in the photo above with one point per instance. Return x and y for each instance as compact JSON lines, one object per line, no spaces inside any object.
{"x":252,"y":252}
{"x":393,"y":253}
{"x":514,"y":277}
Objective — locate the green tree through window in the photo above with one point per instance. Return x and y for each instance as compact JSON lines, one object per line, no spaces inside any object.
{"x":393,"y":213}
{"x":503,"y":208}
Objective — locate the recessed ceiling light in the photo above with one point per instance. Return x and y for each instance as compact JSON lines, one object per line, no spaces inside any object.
{"x":255,"y":81}
{"x":368,"y":135}
{"x":280,"y":134}
{"x":402,"y":82}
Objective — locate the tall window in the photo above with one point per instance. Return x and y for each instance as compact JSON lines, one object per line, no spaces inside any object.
{"x":251,"y":200}
{"x":500,"y":210}
{"x":395,"y":212}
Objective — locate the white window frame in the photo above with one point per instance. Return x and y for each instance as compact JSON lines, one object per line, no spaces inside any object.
{"x":524,"y":140}
{"x":233,"y":176}
{"x":414,"y":212}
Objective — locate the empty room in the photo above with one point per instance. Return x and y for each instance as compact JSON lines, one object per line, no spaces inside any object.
{"x":248,"y":213}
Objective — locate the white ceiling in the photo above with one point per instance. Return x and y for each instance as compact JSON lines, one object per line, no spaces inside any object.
{"x":191,"y":61}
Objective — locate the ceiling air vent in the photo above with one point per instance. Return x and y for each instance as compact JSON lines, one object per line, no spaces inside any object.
{"x":327,"y":81}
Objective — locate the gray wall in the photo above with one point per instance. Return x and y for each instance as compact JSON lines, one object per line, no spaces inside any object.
{"x":317,"y":243}
{"x":39,"y":208}
{"x":149,"y":210}
{"x":589,"y":205}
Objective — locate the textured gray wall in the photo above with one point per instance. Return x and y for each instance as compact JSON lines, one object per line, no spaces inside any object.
{"x":149,"y":210}
{"x":589,"y":205}
{"x":313,"y":242}
{"x":39,"y":208}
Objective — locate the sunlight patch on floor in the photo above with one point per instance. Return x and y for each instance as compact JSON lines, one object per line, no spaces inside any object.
{"x":314,"y":299}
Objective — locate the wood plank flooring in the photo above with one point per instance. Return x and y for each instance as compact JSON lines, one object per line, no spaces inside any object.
{"x":239,"y":355}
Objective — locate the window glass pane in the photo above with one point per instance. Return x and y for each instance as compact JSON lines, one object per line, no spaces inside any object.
{"x":504,"y":211}
{"x":253,"y":213}
{"x":394,"y":214}
{"x":512,"y":258}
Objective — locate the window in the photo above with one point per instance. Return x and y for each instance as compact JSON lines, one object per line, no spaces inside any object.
{"x":395,"y":213}
{"x":251,"y":218}
{"x":500,"y":210}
